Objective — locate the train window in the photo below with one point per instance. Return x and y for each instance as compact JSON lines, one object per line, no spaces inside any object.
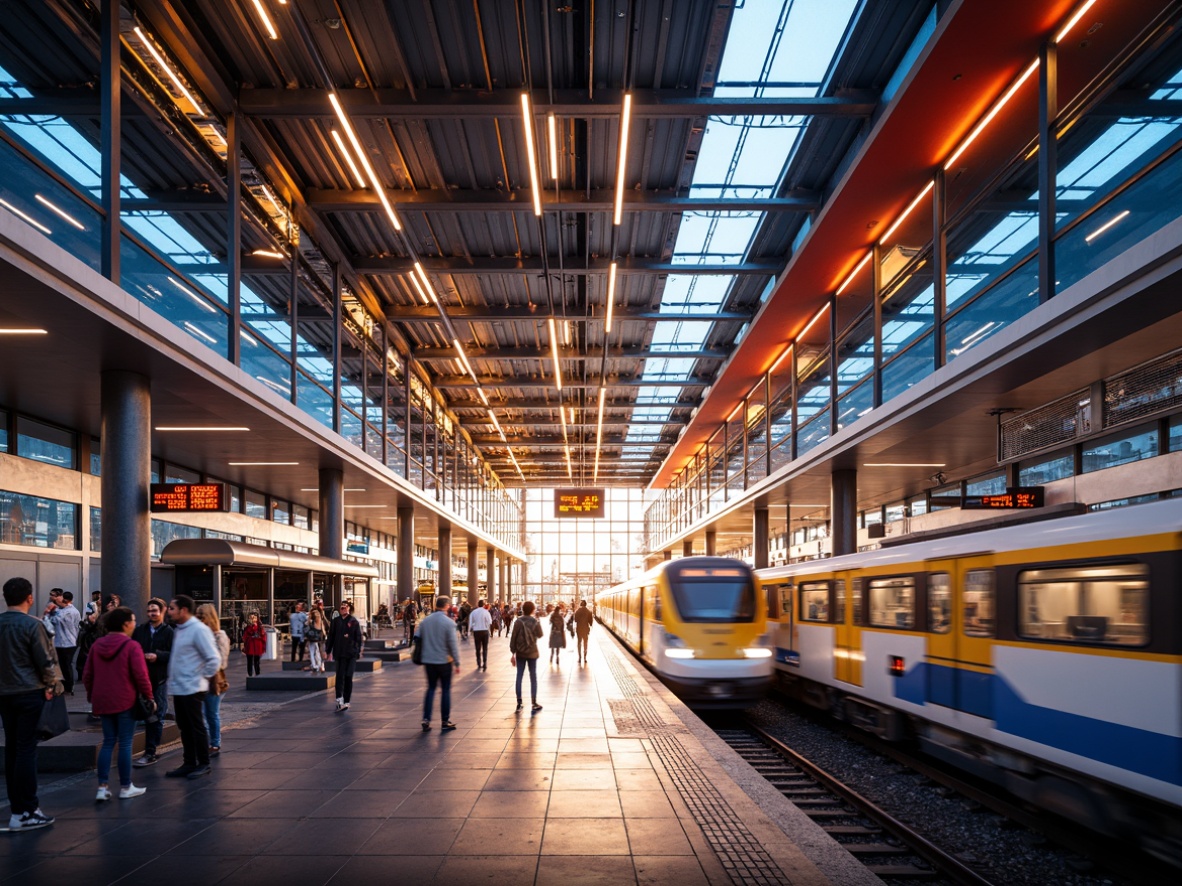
{"x":892,"y":602}
{"x":839,"y":601}
{"x":705,"y":595}
{"x":634,"y":603}
{"x":786,"y":601}
{"x":978,"y":603}
{"x":856,"y":599}
{"x":939,"y":603}
{"x":814,"y":601}
{"x":656,"y":595}
{"x":1093,"y":604}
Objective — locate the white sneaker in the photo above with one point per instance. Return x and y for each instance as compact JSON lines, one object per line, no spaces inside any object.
{"x":102,"y":794}
{"x":14,"y":822}
{"x":30,"y":820}
{"x":340,"y":704}
{"x":128,"y":791}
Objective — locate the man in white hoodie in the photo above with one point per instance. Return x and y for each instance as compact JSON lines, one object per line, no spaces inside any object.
{"x":194,"y":659}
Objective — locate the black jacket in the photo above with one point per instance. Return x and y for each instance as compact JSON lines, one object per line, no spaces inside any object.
{"x":161,"y":644}
{"x":344,"y":638}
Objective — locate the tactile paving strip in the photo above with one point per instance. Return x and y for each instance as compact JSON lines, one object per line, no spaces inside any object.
{"x":743,"y":858}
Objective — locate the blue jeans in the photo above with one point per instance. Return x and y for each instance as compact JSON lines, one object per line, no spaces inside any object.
{"x":438,"y":674}
{"x":533,"y":677}
{"x":121,"y":728}
{"x":213,"y":719}
{"x":153,"y":732}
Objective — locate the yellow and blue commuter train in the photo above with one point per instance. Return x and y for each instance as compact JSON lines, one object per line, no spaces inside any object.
{"x":700,"y":624}
{"x":1046,"y":657}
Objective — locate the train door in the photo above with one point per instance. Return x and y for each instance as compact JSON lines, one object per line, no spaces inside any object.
{"x":847,"y":597}
{"x":960,"y":625}
{"x":783,"y":624}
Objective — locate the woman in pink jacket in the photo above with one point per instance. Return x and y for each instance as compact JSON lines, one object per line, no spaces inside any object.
{"x":115,"y":674}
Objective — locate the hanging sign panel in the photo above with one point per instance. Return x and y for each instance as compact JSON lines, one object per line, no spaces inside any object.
{"x":179,"y":497}
{"x":578,"y":503}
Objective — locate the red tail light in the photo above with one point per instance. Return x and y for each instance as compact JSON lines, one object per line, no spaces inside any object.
{"x":896,"y":666}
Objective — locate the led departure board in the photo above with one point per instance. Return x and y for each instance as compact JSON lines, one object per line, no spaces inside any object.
{"x":1015,"y":498}
{"x":578,"y":503}
{"x":188,"y":497}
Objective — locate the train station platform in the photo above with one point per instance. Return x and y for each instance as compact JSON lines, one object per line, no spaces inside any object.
{"x":612,"y":782}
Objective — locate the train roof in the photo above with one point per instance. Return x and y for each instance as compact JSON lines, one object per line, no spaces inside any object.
{"x":1148,"y":519}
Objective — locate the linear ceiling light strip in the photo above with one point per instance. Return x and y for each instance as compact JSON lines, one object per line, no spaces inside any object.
{"x":369,"y":170}
{"x":625,"y":120}
{"x":528,"y":122}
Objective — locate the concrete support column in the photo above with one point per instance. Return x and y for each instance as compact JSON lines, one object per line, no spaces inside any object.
{"x":126,"y":435}
{"x":332,"y":524}
{"x":711,"y":539}
{"x":445,"y":560}
{"x":490,"y":555}
{"x":760,"y":538}
{"x":474,"y":568}
{"x":843,"y":512}
{"x":406,"y":553}
{"x":687,"y":548}
{"x":506,"y":571}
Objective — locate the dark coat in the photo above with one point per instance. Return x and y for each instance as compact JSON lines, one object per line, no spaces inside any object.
{"x":161,"y":644}
{"x":344,"y":638}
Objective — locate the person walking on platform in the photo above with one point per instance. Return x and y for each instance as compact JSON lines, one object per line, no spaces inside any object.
{"x":557,"y":634}
{"x":410,"y":615}
{"x":583,"y":621}
{"x":523,"y":644}
{"x":462,"y":623}
{"x":28,"y":679}
{"x":66,"y":621}
{"x":497,"y":623}
{"x":155,"y":639}
{"x":344,"y":646}
{"x":116,"y":673}
{"x":508,"y":613}
{"x":315,"y":633}
{"x":480,"y":622}
{"x":254,"y":644}
{"x":194,"y":659}
{"x":298,"y":620}
{"x":441,"y":658}
{"x":212,"y":706}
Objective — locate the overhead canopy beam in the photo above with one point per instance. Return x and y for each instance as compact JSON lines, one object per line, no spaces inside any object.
{"x":602,"y":200}
{"x":433,"y":354}
{"x":465,"y":381}
{"x":399,"y":103}
{"x":542,"y":403}
{"x":389,"y":265}
{"x":495,"y":314}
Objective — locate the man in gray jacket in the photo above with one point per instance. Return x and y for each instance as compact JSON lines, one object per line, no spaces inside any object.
{"x":441,"y":658}
{"x":194,"y":659}
{"x":28,"y":679}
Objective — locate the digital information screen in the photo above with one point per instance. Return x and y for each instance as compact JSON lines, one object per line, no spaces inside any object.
{"x":188,"y":497}
{"x":1015,"y":497}
{"x":578,"y":503}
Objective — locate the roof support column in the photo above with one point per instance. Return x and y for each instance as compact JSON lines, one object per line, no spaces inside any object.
{"x":474,"y":567}
{"x":490,"y":571}
{"x":445,"y":558}
{"x":234,"y":237}
{"x":405,"y":555}
{"x":293,"y":313}
{"x":760,"y":538}
{"x":506,"y":572}
{"x":833,"y":427}
{"x":1048,"y":161}
{"x":332,"y":513}
{"x":337,"y":322}
{"x":111,"y":143}
{"x":126,"y":461}
{"x":939,"y":267}
{"x":843,"y":512}
{"x":385,"y":360}
{"x":876,"y":295}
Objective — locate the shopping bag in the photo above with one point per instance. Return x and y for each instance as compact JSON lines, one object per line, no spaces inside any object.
{"x":55,"y":719}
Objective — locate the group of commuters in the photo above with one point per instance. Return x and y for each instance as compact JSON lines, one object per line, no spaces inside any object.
{"x":128,"y":671}
{"x":440,"y":651}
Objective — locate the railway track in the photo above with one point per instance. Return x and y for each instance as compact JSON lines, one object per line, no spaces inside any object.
{"x":886,"y":846}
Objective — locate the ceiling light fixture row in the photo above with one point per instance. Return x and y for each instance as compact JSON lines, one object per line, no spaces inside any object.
{"x":964,"y":144}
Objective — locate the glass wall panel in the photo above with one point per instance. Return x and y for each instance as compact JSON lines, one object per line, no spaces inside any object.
{"x":3,"y":431}
{"x":314,"y":400}
{"x":163,"y":533}
{"x":46,"y":443}
{"x":256,"y":504}
{"x":265,"y":364}
{"x":96,"y":530}
{"x":38,"y":522}
{"x":1120,"y":449}
{"x":1046,"y":469}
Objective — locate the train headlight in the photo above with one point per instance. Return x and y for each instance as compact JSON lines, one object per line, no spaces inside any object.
{"x":675,"y":647}
{"x":756,"y":652}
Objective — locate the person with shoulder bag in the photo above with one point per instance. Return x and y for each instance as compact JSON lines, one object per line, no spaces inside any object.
{"x":116,"y":677}
{"x":218,"y":684}
{"x":523,"y":644}
{"x":314,"y":636}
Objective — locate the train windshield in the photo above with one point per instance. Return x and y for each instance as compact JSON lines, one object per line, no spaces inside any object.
{"x":714,"y":594}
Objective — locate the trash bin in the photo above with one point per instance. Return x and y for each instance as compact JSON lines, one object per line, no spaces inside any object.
{"x":272,"y":653}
